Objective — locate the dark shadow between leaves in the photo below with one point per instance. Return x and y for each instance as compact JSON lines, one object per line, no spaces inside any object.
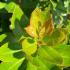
{"x":19,"y":25}
{"x":55,"y":68}
{"x":28,"y":6}
{"x":24,"y":22}
{"x":67,"y":68}
{"x":19,"y":55}
{"x":0,"y":61}
{"x":14,"y":46}
{"x":60,"y":7}
{"x":4,"y":21}
{"x":31,"y":41}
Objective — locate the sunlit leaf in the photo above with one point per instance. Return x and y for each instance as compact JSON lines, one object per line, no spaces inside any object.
{"x":48,"y":48}
{"x":2,"y":5}
{"x":15,"y":9}
{"x":37,"y":64}
{"x":40,"y":23}
{"x":11,"y":65}
{"x":29,"y":46}
{"x":48,"y":54}
{"x":30,"y":66}
{"x":2,"y":37}
{"x":7,"y":54}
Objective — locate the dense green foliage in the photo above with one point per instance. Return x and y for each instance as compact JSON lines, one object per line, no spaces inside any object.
{"x":34,"y":34}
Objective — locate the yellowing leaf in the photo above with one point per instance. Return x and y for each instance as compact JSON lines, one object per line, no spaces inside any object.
{"x":34,"y":20}
{"x":41,"y":23}
{"x":29,"y":46}
{"x":57,"y":37}
{"x":47,"y":28}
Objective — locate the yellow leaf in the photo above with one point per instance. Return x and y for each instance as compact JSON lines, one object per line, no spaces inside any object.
{"x":47,"y":28}
{"x":41,"y":23}
{"x":29,"y":46}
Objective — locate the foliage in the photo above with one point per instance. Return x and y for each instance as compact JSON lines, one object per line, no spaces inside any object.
{"x":35,"y":35}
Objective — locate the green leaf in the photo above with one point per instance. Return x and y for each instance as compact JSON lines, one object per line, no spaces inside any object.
{"x":17,"y":13}
{"x":64,"y":51}
{"x":7,"y":54}
{"x":36,"y":64}
{"x":50,"y":55}
{"x":2,"y":37}
{"x":34,"y":67}
{"x":68,"y":26}
{"x":11,"y":65}
{"x":2,"y":5}
{"x":30,"y":66}
{"x":39,"y":57}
